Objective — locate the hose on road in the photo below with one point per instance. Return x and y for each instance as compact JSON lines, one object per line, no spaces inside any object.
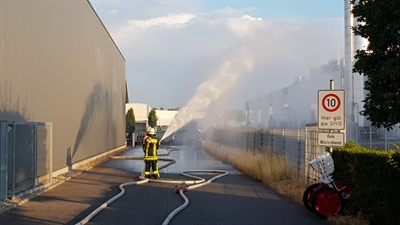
{"x":194,"y":184}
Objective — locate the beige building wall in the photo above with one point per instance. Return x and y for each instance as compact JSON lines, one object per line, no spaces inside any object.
{"x":165,"y":117}
{"x":140,"y":110}
{"x":59,"y":64}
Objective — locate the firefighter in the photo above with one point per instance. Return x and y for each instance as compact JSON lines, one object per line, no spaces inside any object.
{"x":150,"y":147}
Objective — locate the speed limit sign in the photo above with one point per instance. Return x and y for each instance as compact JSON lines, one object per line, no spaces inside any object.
{"x":331,"y":110}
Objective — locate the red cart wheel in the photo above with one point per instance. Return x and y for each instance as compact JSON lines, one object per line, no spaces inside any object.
{"x":346,"y":192}
{"x":327,"y":202}
{"x":308,"y":195}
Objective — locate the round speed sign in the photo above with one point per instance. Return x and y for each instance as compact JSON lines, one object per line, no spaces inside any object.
{"x":331,"y":102}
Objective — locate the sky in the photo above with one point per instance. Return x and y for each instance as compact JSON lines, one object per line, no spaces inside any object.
{"x":172,"y":48}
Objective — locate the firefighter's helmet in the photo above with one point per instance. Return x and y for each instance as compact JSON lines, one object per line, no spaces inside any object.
{"x":152,"y":131}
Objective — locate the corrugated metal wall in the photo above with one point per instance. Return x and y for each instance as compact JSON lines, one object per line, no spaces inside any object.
{"x":60,"y":65}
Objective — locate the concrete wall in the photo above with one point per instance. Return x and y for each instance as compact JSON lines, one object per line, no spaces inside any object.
{"x":59,"y":64}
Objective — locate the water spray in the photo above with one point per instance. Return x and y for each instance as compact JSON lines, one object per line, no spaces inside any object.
{"x":211,"y":90}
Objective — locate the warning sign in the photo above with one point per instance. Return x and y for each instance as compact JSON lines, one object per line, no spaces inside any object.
{"x":331,"y":139}
{"x":331,"y":109}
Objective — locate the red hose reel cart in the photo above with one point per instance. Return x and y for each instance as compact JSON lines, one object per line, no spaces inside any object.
{"x":327,"y":197}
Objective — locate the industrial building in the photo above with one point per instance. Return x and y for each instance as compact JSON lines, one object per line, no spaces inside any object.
{"x":60,"y":65}
{"x":296,"y":105}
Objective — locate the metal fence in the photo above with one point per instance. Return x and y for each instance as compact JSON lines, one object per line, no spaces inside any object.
{"x":26,"y":157}
{"x":3,"y":159}
{"x":312,"y":151}
{"x":298,"y":146}
{"x":377,"y":138}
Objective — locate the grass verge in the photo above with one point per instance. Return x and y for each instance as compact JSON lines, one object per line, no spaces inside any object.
{"x":273,"y":170}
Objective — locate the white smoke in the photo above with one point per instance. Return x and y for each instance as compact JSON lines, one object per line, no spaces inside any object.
{"x":211,"y":90}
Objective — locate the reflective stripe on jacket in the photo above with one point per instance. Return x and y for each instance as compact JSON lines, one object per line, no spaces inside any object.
{"x":151,"y":146}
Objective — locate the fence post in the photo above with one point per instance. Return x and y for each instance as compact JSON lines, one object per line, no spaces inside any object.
{"x":272,"y":139}
{"x":13,"y":174}
{"x":247,"y":140}
{"x":51,"y":152}
{"x":35,"y":155}
{"x":254,"y":140}
{"x":386,"y":141}
{"x":262,"y":140}
{"x":370,"y":137}
{"x":284,"y":142}
{"x":298,"y":154}
{"x":3,"y":159}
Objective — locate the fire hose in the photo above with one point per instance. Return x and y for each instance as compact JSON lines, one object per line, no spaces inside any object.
{"x":183,"y":188}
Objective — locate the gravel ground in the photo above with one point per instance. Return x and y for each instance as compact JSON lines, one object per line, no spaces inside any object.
{"x":12,"y":203}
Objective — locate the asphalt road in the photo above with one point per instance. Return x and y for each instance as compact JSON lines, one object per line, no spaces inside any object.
{"x":232,"y":199}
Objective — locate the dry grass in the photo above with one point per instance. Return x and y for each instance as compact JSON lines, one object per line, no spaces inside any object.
{"x":348,"y":220}
{"x":272,"y":170}
{"x":266,"y":167}
{"x":292,"y":188}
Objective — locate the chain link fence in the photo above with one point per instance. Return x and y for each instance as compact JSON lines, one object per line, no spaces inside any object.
{"x":377,"y":138}
{"x":312,"y":151}
{"x":300,"y":146}
{"x":296,"y":145}
{"x":26,"y":157}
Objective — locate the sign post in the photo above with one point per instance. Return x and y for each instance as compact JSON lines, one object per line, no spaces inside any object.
{"x":331,"y":116}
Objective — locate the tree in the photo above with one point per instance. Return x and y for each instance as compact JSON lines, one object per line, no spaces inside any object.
{"x":130,"y":121}
{"x":379,"y":23}
{"x":130,"y":126}
{"x":152,"y":119}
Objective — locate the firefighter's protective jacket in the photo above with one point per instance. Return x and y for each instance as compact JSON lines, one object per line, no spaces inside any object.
{"x":151,"y":145}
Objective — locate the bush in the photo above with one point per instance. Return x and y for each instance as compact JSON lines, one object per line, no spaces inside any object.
{"x":375,"y":178}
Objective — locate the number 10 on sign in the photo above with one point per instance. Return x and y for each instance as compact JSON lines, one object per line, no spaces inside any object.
{"x":331,"y":109}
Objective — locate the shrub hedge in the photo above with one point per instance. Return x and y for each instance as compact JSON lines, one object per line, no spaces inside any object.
{"x":375,"y":178}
